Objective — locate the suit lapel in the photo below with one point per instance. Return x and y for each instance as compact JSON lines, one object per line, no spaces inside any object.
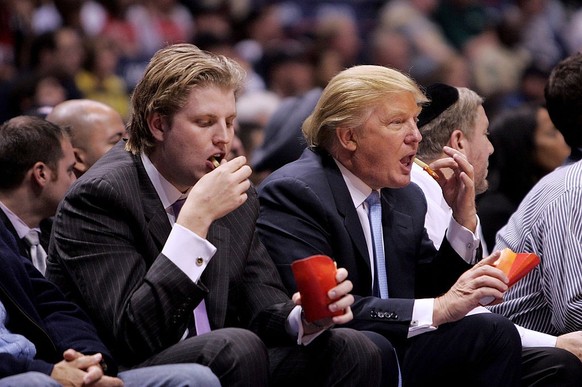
{"x":156,"y":217}
{"x":397,"y":229}
{"x":22,"y":247}
{"x":345,"y":208}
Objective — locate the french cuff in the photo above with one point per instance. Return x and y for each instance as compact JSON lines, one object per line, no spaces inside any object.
{"x":421,"y":317}
{"x":530,"y":338}
{"x":463,"y":240}
{"x":294,"y":327}
{"x":188,"y":251}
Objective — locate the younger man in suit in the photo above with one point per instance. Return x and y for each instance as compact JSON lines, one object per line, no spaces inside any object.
{"x":36,"y":169}
{"x":157,"y":243}
{"x":362,"y":139}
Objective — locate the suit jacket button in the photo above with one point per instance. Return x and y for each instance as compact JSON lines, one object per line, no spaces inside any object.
{"x":199,"y":261}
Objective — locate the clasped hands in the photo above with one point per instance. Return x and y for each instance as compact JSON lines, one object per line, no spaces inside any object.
{"x":77,"y":369}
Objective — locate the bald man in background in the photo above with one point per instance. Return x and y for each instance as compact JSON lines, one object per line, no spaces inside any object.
{"x":94,"y":128}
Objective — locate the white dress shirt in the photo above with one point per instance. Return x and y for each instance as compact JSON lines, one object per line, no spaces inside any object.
{"x":437,"y":218}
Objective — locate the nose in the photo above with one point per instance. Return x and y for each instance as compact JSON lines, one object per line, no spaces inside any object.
{"x":223,"y":132}
{"x":414,"y":134}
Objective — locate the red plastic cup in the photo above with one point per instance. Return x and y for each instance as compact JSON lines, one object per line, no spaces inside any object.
{"x":314,"y":277}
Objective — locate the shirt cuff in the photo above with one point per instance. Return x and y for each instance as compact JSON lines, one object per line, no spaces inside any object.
{"x":463,"y":240}
{"x":294,"y":327}
{"x":421,"y":317}
{"x":179,"y":248}
{"x":529,"y":338}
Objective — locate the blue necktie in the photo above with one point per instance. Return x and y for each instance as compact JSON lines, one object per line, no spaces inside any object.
{"x":375,"y":216}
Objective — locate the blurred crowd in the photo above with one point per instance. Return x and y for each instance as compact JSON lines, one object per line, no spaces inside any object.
{"x":55,"y":50}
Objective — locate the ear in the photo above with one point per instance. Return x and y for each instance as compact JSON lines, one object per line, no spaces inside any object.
{"x":41,"y":173}
{"x":158,"y":126}
{"x":458,"y":140}
{"x":347,"y":138}
{"x":80,"y":160}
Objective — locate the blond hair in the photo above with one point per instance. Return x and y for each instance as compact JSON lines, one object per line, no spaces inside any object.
{"x":166,"y":84}
{"x":349,"y":98}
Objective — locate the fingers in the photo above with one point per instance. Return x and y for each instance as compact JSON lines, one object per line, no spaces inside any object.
{"x":84,"y":362}
{"x":94,"y":373}
{"x":296,"y":298}
{"x":70,"y":354}
{"x":344,"y":318}
{"x":341,"y":274}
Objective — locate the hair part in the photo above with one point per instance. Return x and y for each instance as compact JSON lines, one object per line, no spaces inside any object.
{"x":461,"y":115}
{"x":24,"y":141}
{"x":350,"y":97}
{"x":167,"y":82}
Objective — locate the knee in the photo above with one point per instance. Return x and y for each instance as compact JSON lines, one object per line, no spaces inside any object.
{"x":240,"y":355}
{"x":365,"y":351}
{"x":193,"y":375}
{"x":497,"y":330}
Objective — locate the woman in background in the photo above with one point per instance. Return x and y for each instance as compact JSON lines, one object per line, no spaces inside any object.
{"x":527,"y":147}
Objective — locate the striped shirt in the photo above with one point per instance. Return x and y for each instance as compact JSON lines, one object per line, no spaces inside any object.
{"x":548,"y":222}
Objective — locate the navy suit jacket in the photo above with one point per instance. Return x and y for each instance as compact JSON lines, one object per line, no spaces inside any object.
{"x":106,"y":254}
{"x":38,"y":310}
{"x":306,"y":209}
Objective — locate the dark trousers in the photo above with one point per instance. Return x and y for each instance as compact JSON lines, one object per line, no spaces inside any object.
{"x":338,"y":357}
{"x":545,"y":367}
{"x":478,"y":350}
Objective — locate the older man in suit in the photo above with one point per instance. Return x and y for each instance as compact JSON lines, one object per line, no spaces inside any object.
{"x":157,"y":242}
{"x":363,"y":138}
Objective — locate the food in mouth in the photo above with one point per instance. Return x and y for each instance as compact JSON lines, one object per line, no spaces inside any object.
{"x":215,"y":162}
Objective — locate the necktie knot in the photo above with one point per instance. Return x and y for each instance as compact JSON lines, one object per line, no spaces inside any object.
{"x":177,"y":206}
{"x":32,"y":238}
{"x":373,"y":199}
{"x":37,"y":253}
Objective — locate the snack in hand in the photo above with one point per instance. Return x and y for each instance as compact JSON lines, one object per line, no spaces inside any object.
{"x":426,"y":168}
{"x":515,"y":266}
{"x":315,"y":276}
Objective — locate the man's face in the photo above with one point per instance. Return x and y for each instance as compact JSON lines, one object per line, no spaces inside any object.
{"x":61,"y":178}
{"x":203,"y":128}
{"x":107,"y":130}
{"x":479,"y":150}
{"x":387,"y":143}
{"x":550,"y":148}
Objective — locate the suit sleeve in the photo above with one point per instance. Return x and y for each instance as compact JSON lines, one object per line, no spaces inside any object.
{"x":101,"y":255}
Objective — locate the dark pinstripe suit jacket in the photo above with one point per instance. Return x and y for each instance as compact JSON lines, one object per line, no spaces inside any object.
{"x":306,"y":209}
{"x":106,"y":255}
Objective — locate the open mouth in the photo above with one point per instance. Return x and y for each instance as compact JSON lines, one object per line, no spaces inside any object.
{"x":215,"y":160}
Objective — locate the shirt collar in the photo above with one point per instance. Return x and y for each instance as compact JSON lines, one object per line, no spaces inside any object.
{"x":21,"y":228}
{"x":359,"y":190}
{"x":167,"y":193}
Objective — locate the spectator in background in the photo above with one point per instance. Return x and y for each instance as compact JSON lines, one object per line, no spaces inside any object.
{"x":94,"y":128}
{"x":36,"y":169}
{"x":98,"y":79}
{"x":527,"y":147}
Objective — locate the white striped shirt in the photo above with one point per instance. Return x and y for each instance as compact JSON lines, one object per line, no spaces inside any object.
{"x":548,"y":222}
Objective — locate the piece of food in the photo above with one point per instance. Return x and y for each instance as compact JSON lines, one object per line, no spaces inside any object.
{"x":315,"y":276}
{"x":426,"y":168}
{"x":214,"y":162}
{"x":516,"y":265}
